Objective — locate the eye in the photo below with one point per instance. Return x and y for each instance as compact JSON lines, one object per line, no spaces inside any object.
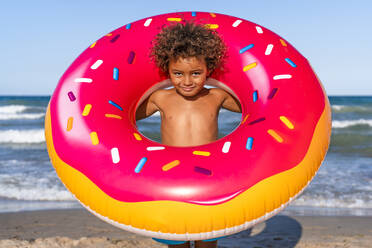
{"x":196,"y":73}
{"x":177,"y":74}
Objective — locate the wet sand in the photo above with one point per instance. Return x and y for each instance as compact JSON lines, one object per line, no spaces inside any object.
{"x":79,"y":228}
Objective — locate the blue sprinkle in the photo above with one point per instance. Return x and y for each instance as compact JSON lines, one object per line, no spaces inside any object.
{"x":115,"y":105}
{"x":244,"y":49}
{"x":140,"y":165}
{"x":116,"y":73}
{"x":128,"y":26}
{"x":290,"y":62}
{"x":255,"y":96}
{"x":249,"y":143}
{"x":193,"y":13}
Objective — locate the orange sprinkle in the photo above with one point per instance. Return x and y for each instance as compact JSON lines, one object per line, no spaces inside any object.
{"x":275,"y":135}
{"x":211,"y":26}
{"x":69,"y":123}
{"x":137,"y":136}
{"x":283,"y":42}
{"x":170,"y":165}
{"x":113,"y":116}
{"x":110,"y":34}
{"x":245,"y":118}
{"x":213,"y":14}
{"x":93,"y":45}
{"x":94,"y":138}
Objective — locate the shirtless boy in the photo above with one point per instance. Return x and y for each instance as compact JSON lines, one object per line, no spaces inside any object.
{"x":188,"y":54}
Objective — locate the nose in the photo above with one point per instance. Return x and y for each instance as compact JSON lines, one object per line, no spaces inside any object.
{"x":187,"y":81}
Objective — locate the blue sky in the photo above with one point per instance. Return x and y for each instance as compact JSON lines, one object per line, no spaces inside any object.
{"x":40,"y":39}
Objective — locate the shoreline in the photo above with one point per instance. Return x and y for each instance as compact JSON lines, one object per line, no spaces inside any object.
{"x":79,"y":228}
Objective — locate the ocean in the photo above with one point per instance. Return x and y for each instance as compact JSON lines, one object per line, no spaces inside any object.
{"x":342,"y":186}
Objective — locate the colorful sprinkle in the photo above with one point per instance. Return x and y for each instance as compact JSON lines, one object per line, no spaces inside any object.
{"x":137,"y":136}
{"x":286,"y":122}
{"x":213,"y":14}
{"x":272,"y":93}
{"x":211,"y":26}
{"x":237,"y":23}
{"x":170,"y":165}
{"x":193,"y":13}
{"x":249,"y":144}
{"x":110,"y":34}
{"x":244,"y":49}
{"x":115,"y":105}
{"x":69,"y":123}
{"x":140,"y":165}
{"x":290,"y":62}
{"x":87,"y":109}
{"x":284,"y":76}
{"x":269,"y":49}
{"x":83,"y":80}
{"x":115,"y":38}
{"x":116,"y":73}
{"x":174,"y":19}
{"x":283,"y":42}
{"x":96,"y":64}
{"x":71,"y":96}
{"x":155,"y":148}
{"x":93,"y":45}
{"x":131,"y":57}
{"x":259,"y":30}
{"x":201,"y":153}
{"x":202,"y":170}
{"x":113,"y":116}
{"x":128,"y":26}
{"x":256,"y":121}
{"x":245,"y":118}
{"x":255,"y":96}
{"x":275,"y":135}
{"x":147,"y":22}
{"x":115,"y":155}
{"x":226,"y":147}
{"x":94,"y":138}
{"x":250,"y":66}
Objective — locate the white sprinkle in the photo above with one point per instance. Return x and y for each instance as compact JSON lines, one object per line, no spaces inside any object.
{"x":284,"y":76}
{"x":96,"y":64}
{"x":269,"y":48}
{"x":147,"y":22}
{"x":259,"y":30}
{"x":155,"y":148}
{"x":83,"y":80}
{"x":226,"y":147}
{"x":115,"y":155}
{"x":236,"y":23}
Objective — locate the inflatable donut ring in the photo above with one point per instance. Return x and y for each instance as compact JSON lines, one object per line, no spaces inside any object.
{"x":188,"y":193}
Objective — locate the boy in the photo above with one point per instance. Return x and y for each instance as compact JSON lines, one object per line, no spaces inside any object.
{"x":188,"y":54}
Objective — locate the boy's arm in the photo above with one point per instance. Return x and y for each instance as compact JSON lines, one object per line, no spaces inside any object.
{"x":229,"y":102}
{"x":147,"y":107}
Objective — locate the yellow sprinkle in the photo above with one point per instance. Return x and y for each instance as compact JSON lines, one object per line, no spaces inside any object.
{"x":201,"y":153}
{"x":113,"y":116}
{"x":287,"y":122}
{"x":110,"y":34}
{"x":211,"y":26}
{"x":69,"y":123}
{"x":91,"y":46}
{"x":94,"y":138}
{"x":250,"y":66}
{"x":174,"y":19}
{"x":275,"y":135}
{"x":170,"y":165}
{"x":87,"y":109}
{"x":283,"y":42}
{"x":213,"y":14}
{"x":245,"y":118}
{"x":137,"y":136}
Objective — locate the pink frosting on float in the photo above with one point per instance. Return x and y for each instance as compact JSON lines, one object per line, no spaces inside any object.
{"x":197,"y":178}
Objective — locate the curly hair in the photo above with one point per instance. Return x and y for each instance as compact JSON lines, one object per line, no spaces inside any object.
{"x":188,"y":39}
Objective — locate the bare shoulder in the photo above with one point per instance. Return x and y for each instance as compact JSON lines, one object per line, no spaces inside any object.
{"x":220,"y":93}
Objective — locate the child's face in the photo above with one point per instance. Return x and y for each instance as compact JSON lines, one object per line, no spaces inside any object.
{"x":188,"y":75}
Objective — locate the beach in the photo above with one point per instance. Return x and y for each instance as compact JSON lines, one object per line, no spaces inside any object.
{"x":79,"y":228}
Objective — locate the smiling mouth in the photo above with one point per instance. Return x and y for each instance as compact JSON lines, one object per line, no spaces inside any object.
{"x":187,"y":89}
